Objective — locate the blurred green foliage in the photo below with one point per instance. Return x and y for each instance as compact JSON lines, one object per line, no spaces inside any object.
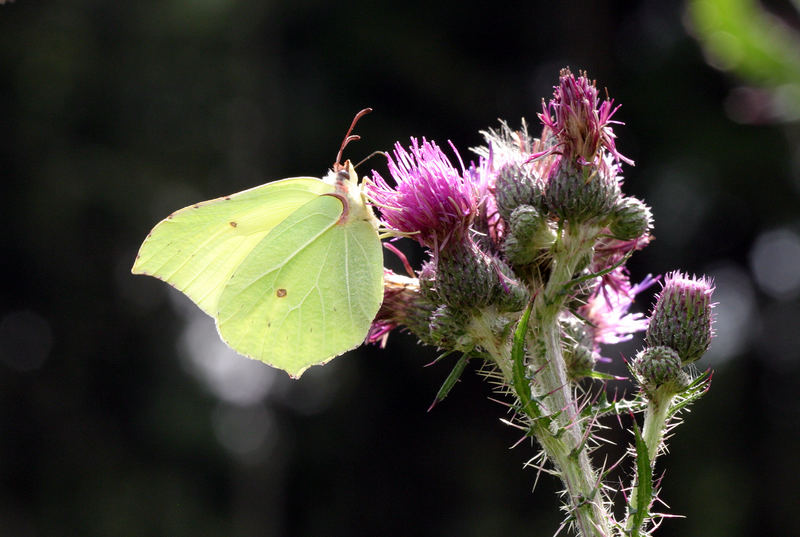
{"x":743,"y":37}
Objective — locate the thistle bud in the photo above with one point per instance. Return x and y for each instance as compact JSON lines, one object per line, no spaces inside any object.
{"x":528,"y":233}
{"x":631,"y":219}
{"x":469,"y":278}
{"x":580,"y":362}
{"x":447,"y":328}
{"x":578,"y":348}
{"x":582,"y":193}
{"x":465,"y":276}
{"x":516,"y":186}
{"x":657,"y":367}
{"x":682,"y":317}
{"x":509,"y":293}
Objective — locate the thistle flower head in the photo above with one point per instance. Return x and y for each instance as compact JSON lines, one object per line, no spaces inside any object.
{"x":631,"y":219}
{"x":581,"y":193}
{"x":580,"y":121}
{"x":431,"y":202}
{"x":465,"y":275}
{"x":517,"y":185}
{"x":487,"y":221}
{"x":659,"y":367}
{"x":682,"y":317}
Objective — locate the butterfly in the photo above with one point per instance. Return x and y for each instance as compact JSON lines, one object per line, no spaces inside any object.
{"x":291,"y":271}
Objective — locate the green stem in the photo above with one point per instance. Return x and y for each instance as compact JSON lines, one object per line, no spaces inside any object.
{"x":563,"y":437}
{"x":550,"y":401}
{"x":655,"y":422}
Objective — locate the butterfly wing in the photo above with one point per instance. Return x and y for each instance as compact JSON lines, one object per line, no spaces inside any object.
{"x":197,"y":249}
{"x":307,"y":292}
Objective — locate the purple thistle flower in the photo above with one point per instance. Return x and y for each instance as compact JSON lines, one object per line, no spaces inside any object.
{"x":580,"y":123}
{"x":379,"y":332}
{"x":431,"y":202}
{"x":608,"y":310}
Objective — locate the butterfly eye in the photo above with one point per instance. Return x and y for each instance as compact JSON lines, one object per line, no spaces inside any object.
{"x":342,"y":176}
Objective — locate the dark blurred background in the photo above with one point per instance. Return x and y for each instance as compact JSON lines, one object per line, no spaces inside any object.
{"x":121,"y":413}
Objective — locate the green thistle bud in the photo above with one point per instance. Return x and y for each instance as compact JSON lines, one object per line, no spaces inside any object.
{"x":509,"y":293}
{"x":631,"y":219}
{"x":578,"y":348}
{"x":447,"y":329}
{"x":417,"y":320}
{"x":517,"y":185}
{"x":682,"y":317}
{"x":465,"y":276}
{"x":660,"y":367}
{"x":582,"y":194}
{"x":580,"y":362}
{"x":528,"y":233}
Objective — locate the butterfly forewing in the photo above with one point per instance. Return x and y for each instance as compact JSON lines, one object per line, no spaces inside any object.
{"x":196,"y":249}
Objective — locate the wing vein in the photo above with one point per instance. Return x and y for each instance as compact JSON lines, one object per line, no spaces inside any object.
{"x":303,"y":300}
{"x":365,"y":257}
{"x":347,"y":277}
{"x":280,"y":266}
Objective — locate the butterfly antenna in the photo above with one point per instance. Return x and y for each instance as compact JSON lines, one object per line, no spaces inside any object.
{"x":373,"y":154}
{"x":349,"y":138}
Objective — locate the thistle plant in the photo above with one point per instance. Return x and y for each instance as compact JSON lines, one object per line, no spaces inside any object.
{"x":525,"y":276}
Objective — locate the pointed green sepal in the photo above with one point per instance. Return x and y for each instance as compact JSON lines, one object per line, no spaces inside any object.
{"x":451,"y":380}
{"x":696,"y":389}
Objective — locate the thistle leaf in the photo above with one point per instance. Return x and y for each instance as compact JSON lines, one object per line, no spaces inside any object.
{"x":522,"y":385}
{"x":644,"y":485}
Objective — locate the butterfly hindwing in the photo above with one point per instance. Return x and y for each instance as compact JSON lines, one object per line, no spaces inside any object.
{"x":307,"y":291}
